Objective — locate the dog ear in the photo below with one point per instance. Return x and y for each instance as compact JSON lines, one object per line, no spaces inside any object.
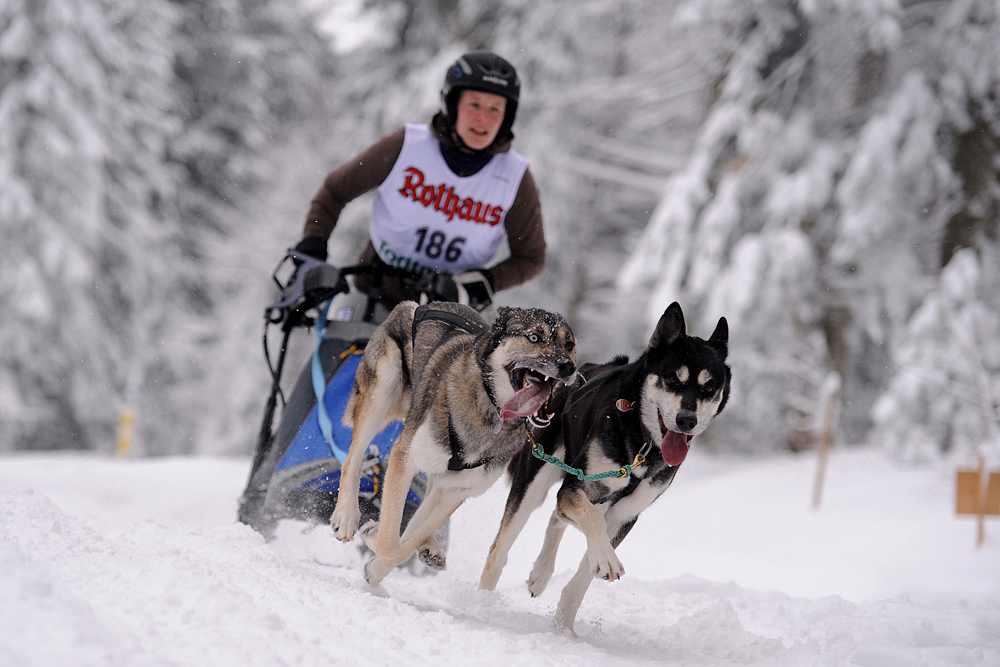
{"x":720,"y":337}
{"x":503,"y":312}
{"x":669,"y":328}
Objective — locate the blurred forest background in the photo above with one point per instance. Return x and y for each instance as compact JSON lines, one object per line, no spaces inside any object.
{"x":822,"y":174}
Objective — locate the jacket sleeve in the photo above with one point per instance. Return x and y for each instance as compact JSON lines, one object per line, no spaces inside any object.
{"x":525,"y":236}
{"x":362,"y":173}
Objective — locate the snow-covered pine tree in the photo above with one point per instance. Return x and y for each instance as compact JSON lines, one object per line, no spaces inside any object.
{"x":85,"y":110}
{"x":251,"y":74}
{"x":118,"y":178}
{"x":614,"y":93}
{"x":288,"y":94}
{"x":826,"y":190}
{"x":944,"y":396}
{"x":731,"y":234}
{"x":848,"y":151}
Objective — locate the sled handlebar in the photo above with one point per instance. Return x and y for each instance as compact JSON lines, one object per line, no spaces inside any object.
{"x":312,"y":281}
{"x":309,"y":283}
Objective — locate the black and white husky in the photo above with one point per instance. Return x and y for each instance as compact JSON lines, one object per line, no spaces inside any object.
{"x":641,"y":414}
{"x":464,"y":390}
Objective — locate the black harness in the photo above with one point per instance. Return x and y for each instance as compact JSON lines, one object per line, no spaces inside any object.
{"x":456,"y":462}
{"x":422,"y":314}
{"x":579,"y":391}
{"x":633,"y":482}
{"x":425,"y":312}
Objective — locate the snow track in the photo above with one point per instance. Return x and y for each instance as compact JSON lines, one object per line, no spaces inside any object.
{"x":107,"y":562}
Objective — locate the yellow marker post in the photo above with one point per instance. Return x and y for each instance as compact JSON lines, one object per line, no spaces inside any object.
{"x":979,"y":494}
{"x":126,"y":432}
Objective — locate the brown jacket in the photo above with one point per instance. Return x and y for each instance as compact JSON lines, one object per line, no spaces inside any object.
{"x":367,"y":170}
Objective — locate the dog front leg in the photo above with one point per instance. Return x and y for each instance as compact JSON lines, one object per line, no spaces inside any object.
{"x":346,"y":515}
{"x":571,"y":597}
{"x":516,"y":514}
{"x":397,"y":481}
{"x":619,"y":525}
{"x":429,"y":551}
{"x":378,"y":397}
{"x":545,"y":564}
{"x":573,"y":506}
{"x":440,"y":504}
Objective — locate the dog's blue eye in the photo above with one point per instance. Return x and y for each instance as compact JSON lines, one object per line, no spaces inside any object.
{"x":534,"y":338}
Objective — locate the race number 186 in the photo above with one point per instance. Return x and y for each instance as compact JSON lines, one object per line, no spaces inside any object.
{"x":433,"y":245}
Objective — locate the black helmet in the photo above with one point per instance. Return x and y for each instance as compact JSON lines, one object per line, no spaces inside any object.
{"x":485,"y":71}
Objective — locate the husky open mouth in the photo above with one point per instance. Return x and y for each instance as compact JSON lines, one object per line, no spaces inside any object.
{"x":535,"y":388}
{"x":674,"y":446}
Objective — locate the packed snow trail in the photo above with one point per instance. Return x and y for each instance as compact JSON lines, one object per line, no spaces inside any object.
{"x":109,"y":562}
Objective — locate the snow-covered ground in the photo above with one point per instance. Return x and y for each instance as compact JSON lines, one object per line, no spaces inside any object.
{"x":140,"y":562}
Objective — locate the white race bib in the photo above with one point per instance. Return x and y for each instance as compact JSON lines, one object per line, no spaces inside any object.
{"x":427,"y":217}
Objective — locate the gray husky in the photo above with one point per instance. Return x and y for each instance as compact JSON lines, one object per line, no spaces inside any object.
{"x":464,"y":391}
{"x":637,"y":418}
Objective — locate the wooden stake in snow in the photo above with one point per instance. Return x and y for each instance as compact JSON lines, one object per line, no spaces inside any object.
{"x":978,"y":494}
{"x":829,"y":396}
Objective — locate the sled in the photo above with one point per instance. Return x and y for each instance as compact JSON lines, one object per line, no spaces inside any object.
{"x":295,"y":473}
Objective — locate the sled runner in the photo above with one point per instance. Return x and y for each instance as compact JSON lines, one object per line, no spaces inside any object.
{"x":295,"y":472}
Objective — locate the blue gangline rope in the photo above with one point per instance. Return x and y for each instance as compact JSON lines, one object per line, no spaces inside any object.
{"x":319,"y":386}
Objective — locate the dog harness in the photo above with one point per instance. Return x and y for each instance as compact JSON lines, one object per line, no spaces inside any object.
{"x":456,"y":462}
{"x":623,"y":405}
{"x":422,"y":314}
{"x":425,"y":312}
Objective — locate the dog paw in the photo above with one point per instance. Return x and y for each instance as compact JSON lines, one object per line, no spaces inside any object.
{"x":539,"y":578}
{"x":369,"y":533}
{"x":432,"y":558}
{"x":608,"y":568}
{"x":376,"y":570}
{"x":345,"y":523}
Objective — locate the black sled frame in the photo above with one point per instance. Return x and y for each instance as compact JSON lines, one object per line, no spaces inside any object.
{"x":272,"y":495}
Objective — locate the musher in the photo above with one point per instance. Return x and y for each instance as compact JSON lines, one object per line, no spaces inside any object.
{"x":447,"y":192}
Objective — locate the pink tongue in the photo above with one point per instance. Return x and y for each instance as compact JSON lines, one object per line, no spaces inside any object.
{"x":525,"y":402}
{"x":674,"y":447}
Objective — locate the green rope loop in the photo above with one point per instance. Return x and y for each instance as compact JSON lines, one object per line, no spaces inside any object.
{"x":624,"y":471}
